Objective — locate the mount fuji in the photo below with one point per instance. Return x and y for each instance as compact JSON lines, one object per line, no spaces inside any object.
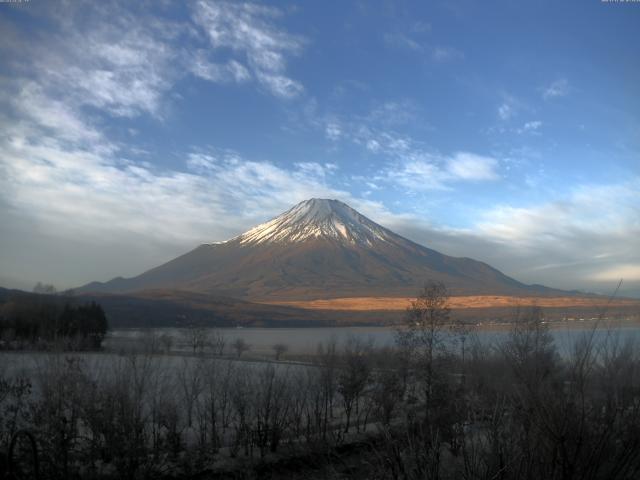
{"x":319,"y":249}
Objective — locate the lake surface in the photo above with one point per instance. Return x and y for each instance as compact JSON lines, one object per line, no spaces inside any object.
{"x":299,"y":340}
{"x":306,"y":340}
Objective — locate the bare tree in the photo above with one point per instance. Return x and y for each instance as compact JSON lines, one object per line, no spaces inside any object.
{"x":150,"y":341}
{"x":354,"y":375}
{"x":218,"y":342}
{"x":327,"y":359}
{"x":530,"y":349}
{"x":280,"y":349}
{"x":388,"y":385}
{"x":425,"y":333}
{"x":166,"y":341}
{"x":240,"y":346}
{"x":299,"y":398}
{"x":195,"y":337}
{"x":191,"y":386}
{"x":240,"y":391}
{"x":215,"y":401}
{"x":271,"y":404}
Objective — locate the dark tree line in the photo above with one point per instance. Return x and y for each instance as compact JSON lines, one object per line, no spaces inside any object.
{"x":40,"y":321}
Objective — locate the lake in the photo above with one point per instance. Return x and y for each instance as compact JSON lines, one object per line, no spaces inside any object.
{"x":306,"y":340}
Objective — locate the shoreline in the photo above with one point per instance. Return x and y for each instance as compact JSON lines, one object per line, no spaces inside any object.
{"x":586,"y":324}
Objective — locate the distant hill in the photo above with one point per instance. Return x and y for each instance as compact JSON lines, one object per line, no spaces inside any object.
{"x":171,"y":308}
{"x":162,"y":308}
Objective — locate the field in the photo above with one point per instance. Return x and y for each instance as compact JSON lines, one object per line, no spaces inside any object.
{"x":456,"y":302}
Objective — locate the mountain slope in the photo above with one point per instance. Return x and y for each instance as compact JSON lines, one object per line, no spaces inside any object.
{"x":318,"y":249}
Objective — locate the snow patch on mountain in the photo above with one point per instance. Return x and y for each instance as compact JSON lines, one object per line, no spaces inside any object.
{"x":317,"y":218}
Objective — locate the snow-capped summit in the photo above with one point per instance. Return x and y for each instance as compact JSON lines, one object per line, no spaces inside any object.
{"x":317,"y":218}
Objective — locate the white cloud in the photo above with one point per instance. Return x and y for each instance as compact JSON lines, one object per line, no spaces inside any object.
{"x":201,"y":162}
{"x":32,"y":103}
{"x":333,"y":131}
{"x":510,"y":107}
{"x":586,"y":210}
{"x":585,"y":239}
{"x":426,"y":172}
{"x":373,"y":145}
{"x":123,"y":65}
{"x":506,"y":111}
{"x":280,"y":85}
{"x":416,"y":175}
{"x":315,"y":169}
{"x":103,"y":56}
{"x":231,"y":71}
{"x":105,"y":194}
{"x":366,"y":133}
{"x":469,"y":166}
{"x":532,"y":127}
{"x":618,"y":272}
{"x":249,"y":29}
{"x":558,"y":88}
{"x":410,"y":164}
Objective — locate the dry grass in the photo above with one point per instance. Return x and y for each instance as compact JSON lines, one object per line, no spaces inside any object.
{"x":461,"y":302}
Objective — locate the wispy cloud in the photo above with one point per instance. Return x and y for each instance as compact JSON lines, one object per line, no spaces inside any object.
{"x":106,"y":194}
{"x":333,"y":130}
{"x":588,"y":209}
{"x":122,"y":65}
{"x":424,"y":172}
{"x":392,"y":113}
{"x":625,"y":272}
{"x":583,"y":239}
{"x":512,"y":106}
{"x":401,"y":40}
{"x":231,"y":71}
{"x":532,"y":127}
{"x":104,"y":57}
{"x":446,"y":54}
{"x":33,"y":106}
{"x":249,"y":29}
{"x":469,"y":166}
{"x":410,"y":163}
{"x":506,"y":110}
{"x":414,"y":41}
{"x":557,"y":88}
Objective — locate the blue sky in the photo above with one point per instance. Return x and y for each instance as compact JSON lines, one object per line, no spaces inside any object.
{"x":504,"y":131}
